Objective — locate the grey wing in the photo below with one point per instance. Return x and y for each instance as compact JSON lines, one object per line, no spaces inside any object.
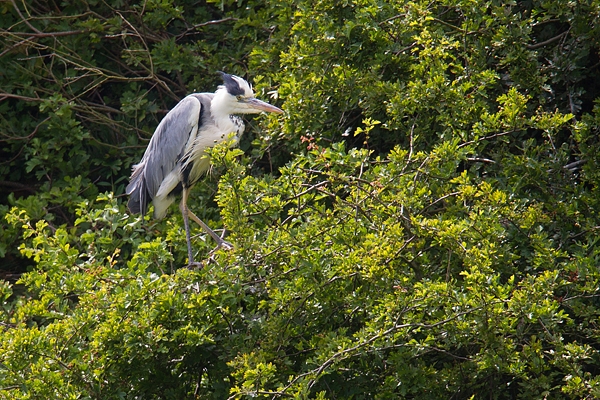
{"x":167,"y":146}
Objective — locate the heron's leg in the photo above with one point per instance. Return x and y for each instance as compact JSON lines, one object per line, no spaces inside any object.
{"x":187,"y":213}
{"x":213,"y":234}
{"x":186,"y":222}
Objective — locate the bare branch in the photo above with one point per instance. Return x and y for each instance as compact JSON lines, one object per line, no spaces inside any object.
{"x":546,"y":42}
{"x":437,"y":201}
{"x":495,"y":135}
{"x":343,"y":354}
{"x":25,"y":20}
{"x":50,"y":34}
{"x":17,"y":186}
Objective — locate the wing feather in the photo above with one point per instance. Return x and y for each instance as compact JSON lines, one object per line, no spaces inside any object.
{"x":168,"y":144}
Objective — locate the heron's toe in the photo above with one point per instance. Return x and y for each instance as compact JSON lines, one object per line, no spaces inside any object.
{"x":225,"y":245}
{"x":195,"y":265}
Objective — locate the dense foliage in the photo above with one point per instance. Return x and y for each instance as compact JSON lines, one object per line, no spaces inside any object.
{"x":421,"y":223}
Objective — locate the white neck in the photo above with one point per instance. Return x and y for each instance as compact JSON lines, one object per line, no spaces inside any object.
{"x":218,"y":105}
{"x":219,"y":109}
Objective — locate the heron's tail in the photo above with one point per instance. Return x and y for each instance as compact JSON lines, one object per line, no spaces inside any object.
{"x":137,"y":191}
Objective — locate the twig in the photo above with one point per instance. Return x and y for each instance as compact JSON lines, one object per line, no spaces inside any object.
{"x":310,"y":189}
{"x":33,"y":28}
{"x":50,"y":34}
{"x":438,"y":200}
{"x":17,"y":186}
{"x":495,"y":135}
{"x":481,"y":159}
{"x":411,"y":145}
{"x":344,"y":353}
{"x":214,"y":22}
{"x":546,"y":42}
{"x":207,"y":23}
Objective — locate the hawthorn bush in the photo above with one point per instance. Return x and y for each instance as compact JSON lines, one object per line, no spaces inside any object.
{"x":421,"y":223}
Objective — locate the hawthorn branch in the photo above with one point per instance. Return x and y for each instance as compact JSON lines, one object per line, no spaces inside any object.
{"x":546,"y":42}
{"x":444,"y":197}
{"x":495,"y":135}
{"x":17,"y":186}
{"x":50,"y":34}
{"x":25,"y":20}
{"x":343,"y":354}
{"x":207,"y":23}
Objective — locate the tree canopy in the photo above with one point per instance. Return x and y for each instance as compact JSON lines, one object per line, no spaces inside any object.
{"x":422,"y":222}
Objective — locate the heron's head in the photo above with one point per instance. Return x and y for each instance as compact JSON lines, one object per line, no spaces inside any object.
{"x":235,"y":96}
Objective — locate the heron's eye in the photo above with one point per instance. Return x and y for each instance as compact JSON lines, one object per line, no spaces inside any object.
{"x":239,"y":97}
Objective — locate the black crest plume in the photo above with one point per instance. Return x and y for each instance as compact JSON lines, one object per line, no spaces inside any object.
{"x":231,"y":84}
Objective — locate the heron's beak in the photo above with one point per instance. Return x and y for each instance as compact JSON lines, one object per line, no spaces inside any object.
{"x":259,"y":105}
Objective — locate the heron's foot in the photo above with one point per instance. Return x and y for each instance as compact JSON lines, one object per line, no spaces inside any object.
{"x":195,"y":265}
{"x":222,"y":244}
{"x":225,"y":245}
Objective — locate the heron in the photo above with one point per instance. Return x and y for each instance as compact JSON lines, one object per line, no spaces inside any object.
{"x":176,"y":157}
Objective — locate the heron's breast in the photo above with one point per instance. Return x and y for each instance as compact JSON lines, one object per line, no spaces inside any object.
{"x":207,"y":136}
{"x":211,"y":135}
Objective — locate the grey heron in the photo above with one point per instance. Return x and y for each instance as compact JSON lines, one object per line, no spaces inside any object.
{"x":176,"y":159}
